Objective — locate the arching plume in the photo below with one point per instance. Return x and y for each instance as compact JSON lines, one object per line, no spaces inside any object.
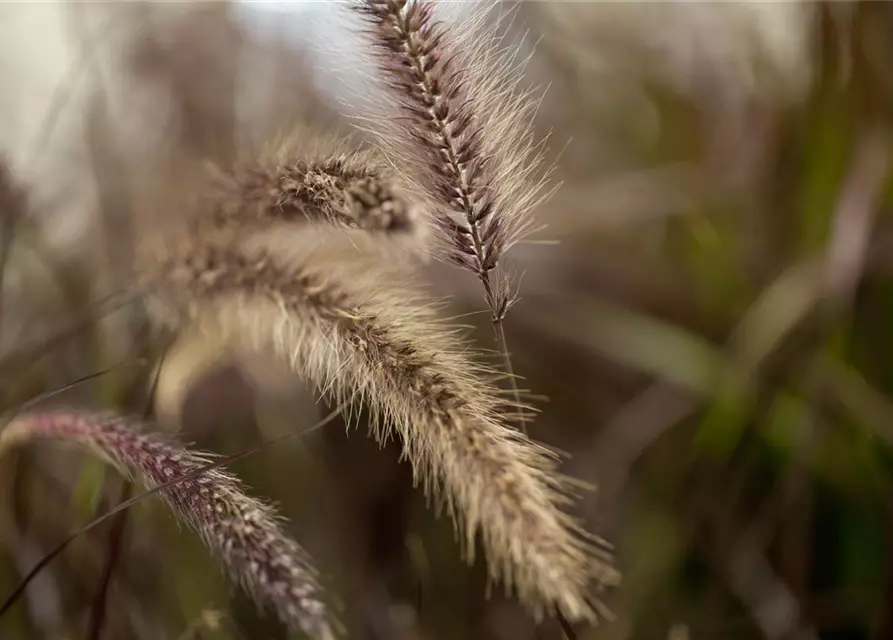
{"x":239,"y":530}
{"x":355,"y":330}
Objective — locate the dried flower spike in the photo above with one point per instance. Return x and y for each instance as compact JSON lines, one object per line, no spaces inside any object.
{"x":464,"y":135}
{"x":333,"y":186}
{"x":353,"y":330}
{"x":241,"y":531}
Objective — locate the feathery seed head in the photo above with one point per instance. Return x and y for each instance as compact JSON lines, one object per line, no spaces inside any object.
{"x":241,"y":531}
{"x":333,"y":186}
{"x":465,"y":130}
{"x":353,"y":332}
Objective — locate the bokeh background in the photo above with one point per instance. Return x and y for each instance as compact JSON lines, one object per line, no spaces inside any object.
{"x":706,"y":323}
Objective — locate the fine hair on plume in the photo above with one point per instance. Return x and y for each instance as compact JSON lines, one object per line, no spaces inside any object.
{"x":356,"y":329}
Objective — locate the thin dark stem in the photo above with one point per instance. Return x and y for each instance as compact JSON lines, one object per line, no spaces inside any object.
{"x":499,"y":331}
{"x":497,"y":313}
{"x":566,"y":627}
{"x":38,"y":349}
{"x":116,"y":540}
{"x":116,"y":535}
{"x":46,"y":395}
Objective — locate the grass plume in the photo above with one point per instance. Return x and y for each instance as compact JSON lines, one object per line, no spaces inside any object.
{"x":241,"y":531}
{"x":353,"y":330}
{"x":464,"y":135}
{"x":333,"y":185}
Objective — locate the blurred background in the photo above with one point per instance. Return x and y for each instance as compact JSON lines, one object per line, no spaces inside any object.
{"x":706,"y":323}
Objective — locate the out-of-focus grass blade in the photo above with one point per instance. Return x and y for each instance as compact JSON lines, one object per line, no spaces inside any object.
{"x":825,"y":158}
{"x":783,"y":306}
{"x":638,"y":341}
{"x":88,"y":489}
{"x":787,"y":424}
{"x":683,"y":358}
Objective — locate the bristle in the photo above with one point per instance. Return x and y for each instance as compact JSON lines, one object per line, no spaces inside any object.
{"x":241,"y":531}
{"x":353,"y":330}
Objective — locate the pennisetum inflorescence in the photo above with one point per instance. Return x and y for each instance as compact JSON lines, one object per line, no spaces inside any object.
{"x":463,"y":138}
{"x":242,"y":532}
{"x":358,"y":331}
{"x":334,"y":186}
{"x":355,"y":327}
